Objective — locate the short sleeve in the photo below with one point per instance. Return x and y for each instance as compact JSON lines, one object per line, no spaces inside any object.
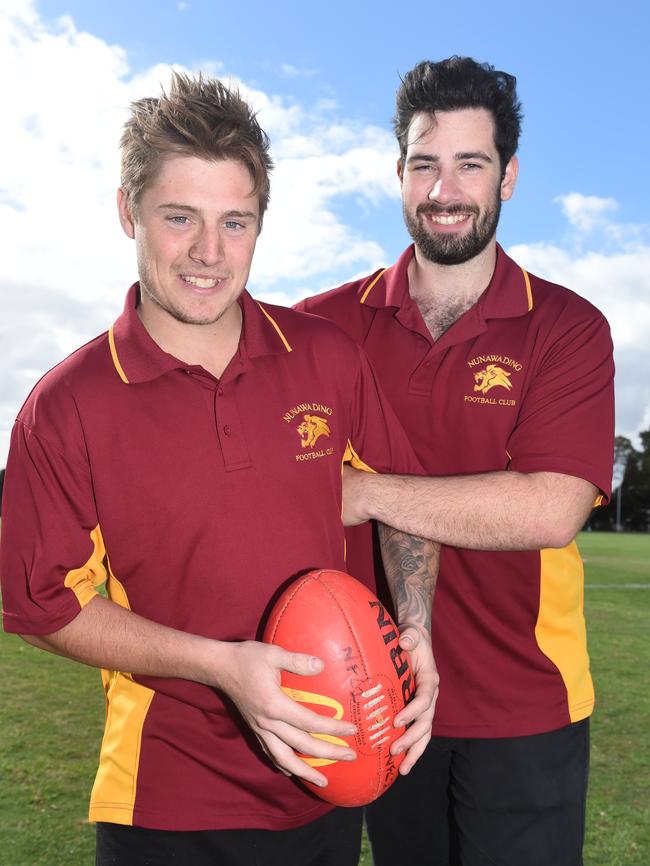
{"x":52,"y":553}
{"x":567,"y":420}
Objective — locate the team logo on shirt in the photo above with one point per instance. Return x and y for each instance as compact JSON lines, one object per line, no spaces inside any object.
{"x":491,"y":377}
{"x":312,"y":430}
{"x":492,"y":371}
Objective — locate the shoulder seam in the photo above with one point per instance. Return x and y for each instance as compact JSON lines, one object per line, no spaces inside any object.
{"x":41,"y":438}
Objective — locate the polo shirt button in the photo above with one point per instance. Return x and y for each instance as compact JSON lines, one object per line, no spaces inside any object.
{"x":220,"y":392}
{"x":226,"y":429}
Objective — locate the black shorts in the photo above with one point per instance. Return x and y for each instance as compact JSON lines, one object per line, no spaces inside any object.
{"x":332,"y":840}
{"x":516,"y":801}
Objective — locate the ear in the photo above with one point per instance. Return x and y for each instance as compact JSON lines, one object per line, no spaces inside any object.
{"x":400,"y":171}
{"x":126,"y":217}
{"x":509,"y":179}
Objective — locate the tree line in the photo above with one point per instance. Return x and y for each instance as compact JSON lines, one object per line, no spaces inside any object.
{"x":629,"y":508}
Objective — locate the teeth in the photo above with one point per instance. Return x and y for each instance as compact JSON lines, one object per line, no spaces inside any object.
{"x":202,"y":283}
{"x":449,"y":220}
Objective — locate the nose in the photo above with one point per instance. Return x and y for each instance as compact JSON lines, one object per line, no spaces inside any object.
{"x":445,"y":189}
{"x":207,"y":247}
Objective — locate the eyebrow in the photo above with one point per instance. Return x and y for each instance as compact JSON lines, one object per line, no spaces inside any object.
{"x":458,"y":157}
{"x":473,"y":154}
{"x":177,"y":206}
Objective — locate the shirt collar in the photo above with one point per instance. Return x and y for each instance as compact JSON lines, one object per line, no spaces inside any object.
{"x":508,"y":294}
{"x":138,"y":358}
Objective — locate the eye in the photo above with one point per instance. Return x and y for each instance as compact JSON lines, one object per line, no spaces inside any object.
{"x":471,"y":166}
{"x":233,"y":224}
{"x":178,"y":220}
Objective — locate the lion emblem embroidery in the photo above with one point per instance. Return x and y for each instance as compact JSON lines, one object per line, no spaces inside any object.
{"x":490,"y":377}
{"x":311,"y":428}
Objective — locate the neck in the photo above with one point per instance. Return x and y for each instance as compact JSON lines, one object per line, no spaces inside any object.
{"x":444,"y":292}
{"x":210,"y":346}
{"x":468,"y":280}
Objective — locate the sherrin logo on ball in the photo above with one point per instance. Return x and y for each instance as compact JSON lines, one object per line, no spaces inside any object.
{"x":366,"y":680}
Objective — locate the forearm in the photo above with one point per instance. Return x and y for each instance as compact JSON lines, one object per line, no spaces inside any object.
{"x":105,"y":635}
{"x":491,"y":511}
{"x":411,"y":567}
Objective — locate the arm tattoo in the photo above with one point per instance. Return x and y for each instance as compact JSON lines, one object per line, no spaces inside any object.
{"x":411,"y":566}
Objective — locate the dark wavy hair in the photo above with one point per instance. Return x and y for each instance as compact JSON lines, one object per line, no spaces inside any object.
{"x":196,"y":117}
{"x":456,"y":83}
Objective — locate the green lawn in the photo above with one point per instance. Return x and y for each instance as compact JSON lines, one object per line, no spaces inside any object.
{"x":618,"y":618}
{"x":51,"y":720}
{"x":51,"y":716}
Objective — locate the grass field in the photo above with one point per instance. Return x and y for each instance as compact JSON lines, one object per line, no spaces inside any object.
{"x":618,"y":618}
{"x":51,"y":717}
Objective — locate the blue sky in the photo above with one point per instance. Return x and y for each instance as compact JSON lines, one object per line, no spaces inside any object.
{"x":323,"y":77}
{"x":580,"y":66}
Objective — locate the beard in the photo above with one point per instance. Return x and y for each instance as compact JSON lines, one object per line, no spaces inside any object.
{"x":453,"y":248}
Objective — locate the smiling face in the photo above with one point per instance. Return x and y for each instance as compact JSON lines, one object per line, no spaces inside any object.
{"x":195,"y":228}
{"x":452,"y":186}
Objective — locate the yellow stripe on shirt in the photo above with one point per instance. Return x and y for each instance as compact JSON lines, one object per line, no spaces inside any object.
{"x":276,"y":326}
{"x":116,"y":360}
{"x":560,"y":631}
{"x":362,"y":300}
{"x":84,"y":580}
{"x":354,"y":460}
{"x":529,"y":290}
{"x":127,"y":705}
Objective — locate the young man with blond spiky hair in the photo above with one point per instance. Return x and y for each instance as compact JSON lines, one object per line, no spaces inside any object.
{"x":165,"y":458}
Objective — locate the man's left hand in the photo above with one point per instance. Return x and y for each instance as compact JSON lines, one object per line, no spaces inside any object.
{"x":419,"y":712}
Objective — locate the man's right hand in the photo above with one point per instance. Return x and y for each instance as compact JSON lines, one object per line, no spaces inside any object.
{"x":251,"y":678}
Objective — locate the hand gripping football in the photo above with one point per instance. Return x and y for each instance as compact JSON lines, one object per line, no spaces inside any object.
{"x":367,"y":678}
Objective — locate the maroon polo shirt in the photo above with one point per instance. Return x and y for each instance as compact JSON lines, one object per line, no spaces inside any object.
{"x":522,"y":381}
{"x":197,"y":499}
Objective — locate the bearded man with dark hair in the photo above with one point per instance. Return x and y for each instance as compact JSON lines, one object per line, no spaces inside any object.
{"x":504,"y":383}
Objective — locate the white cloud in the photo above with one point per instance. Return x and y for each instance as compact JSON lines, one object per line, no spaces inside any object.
{"x":619,"y":285}
{"x":288,"y":70}
{"x":67,"y":264}
{"x":586,"y":212}
{"x":301,"y":235}
{"x":61,"y":126}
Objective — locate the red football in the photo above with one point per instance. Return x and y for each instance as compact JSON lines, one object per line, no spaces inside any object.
{"x":367,"y":678}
